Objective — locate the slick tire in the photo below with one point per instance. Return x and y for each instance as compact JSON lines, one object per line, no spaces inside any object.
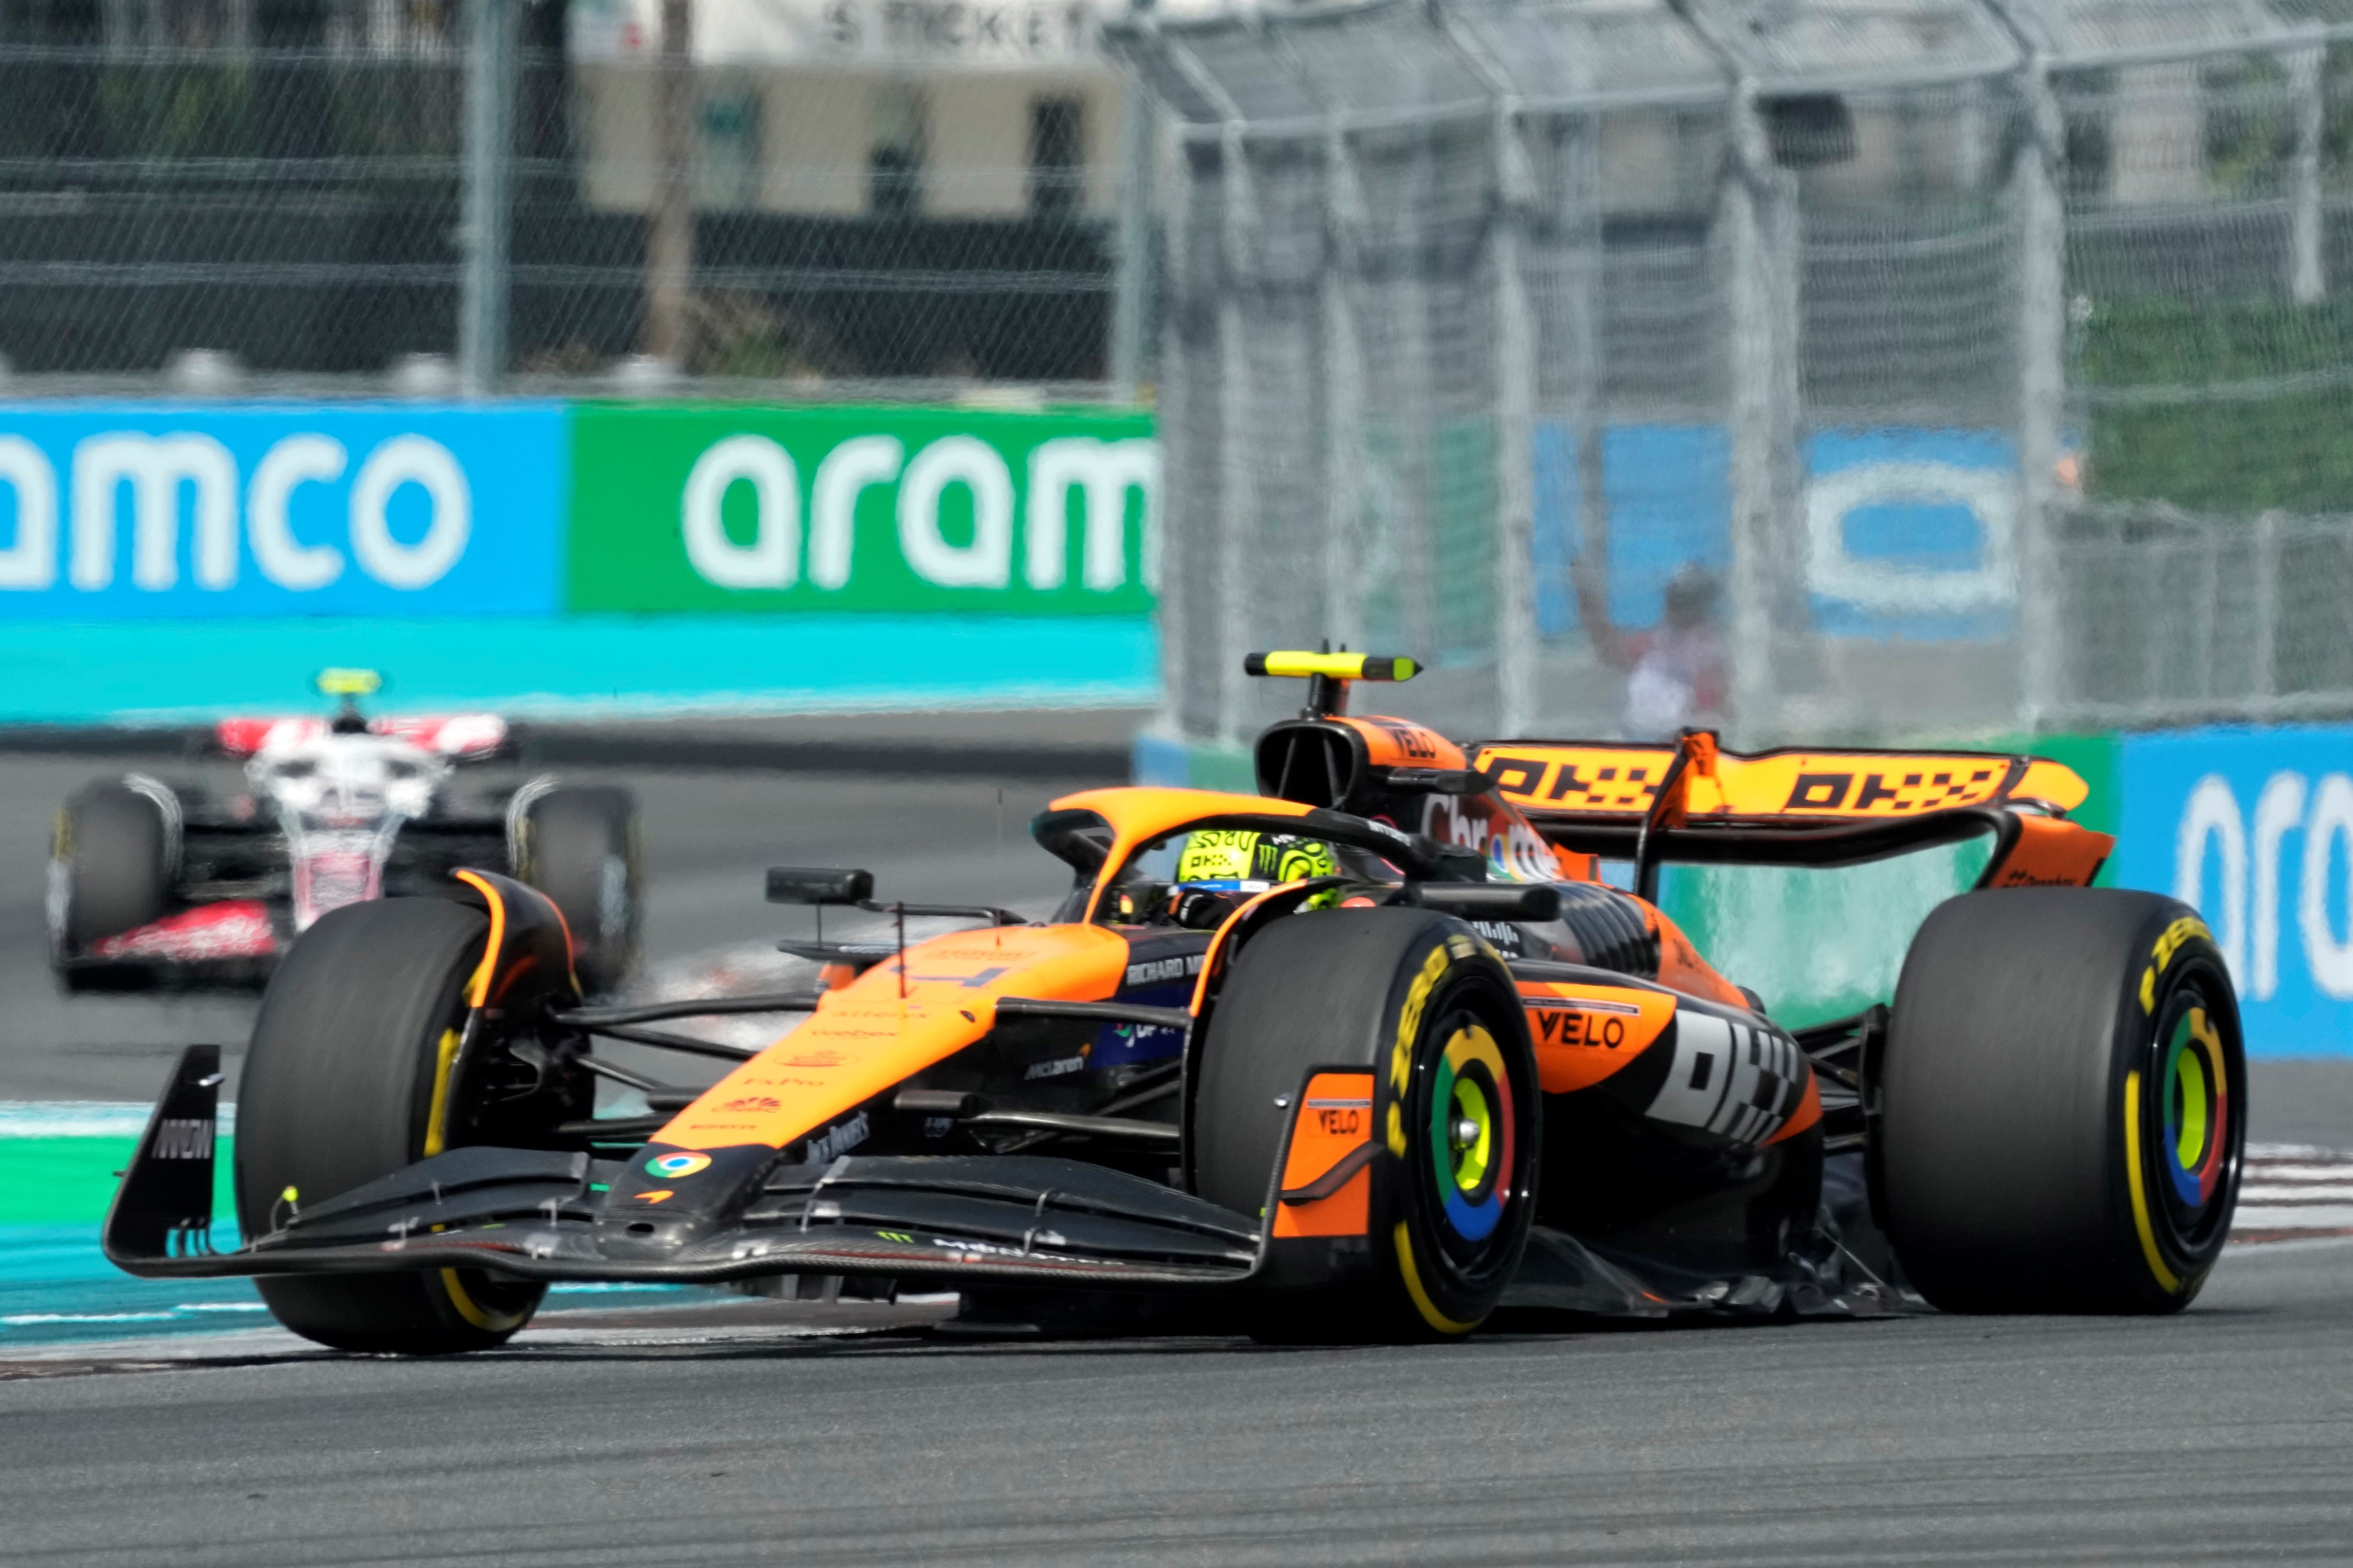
{"x":339,"y":1090}
{"x":2063,"y":1104}
{"x":1418,"y":999}
{"x":110,"y":871}
{"x":579,"y":845}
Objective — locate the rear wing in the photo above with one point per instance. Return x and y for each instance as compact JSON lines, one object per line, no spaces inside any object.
{"x":1693,"y":802}
{"x":1565,"y":780}
{"x":461,"y":737}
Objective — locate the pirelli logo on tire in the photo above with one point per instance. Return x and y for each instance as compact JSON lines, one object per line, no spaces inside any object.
{"x":1417,"y":997}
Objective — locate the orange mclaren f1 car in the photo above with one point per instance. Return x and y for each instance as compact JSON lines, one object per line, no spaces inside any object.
{"x":1369,"y":1054}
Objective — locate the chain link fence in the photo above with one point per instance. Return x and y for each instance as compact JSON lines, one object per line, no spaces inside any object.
{"x":1992,"y":360}
{"x":1990,"y":355}
{"x":520,"y":195}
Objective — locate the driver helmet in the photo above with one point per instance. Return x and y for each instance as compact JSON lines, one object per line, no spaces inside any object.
{"x":1222,"y":868}
{"x":1224,"y":859}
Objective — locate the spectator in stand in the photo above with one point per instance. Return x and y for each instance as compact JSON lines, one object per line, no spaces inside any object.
{"x":1675,"y":674}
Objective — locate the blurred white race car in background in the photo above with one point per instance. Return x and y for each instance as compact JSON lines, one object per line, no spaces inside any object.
{"x":156,"y":882}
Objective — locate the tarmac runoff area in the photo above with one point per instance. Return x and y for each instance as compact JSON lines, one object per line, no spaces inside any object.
{"x":627,"y":1425}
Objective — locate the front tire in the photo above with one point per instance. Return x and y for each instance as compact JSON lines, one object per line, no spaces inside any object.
{"x":1420,"y":1001}
{"x":2062,"y":1103}
{"x":110,"y":865}
{"x":340,"y":1088}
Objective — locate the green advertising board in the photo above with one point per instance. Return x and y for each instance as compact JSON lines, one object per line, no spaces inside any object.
{"x":704,"y":507}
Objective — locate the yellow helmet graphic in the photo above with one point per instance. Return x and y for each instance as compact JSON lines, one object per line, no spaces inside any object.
{"x":1235,"y":855}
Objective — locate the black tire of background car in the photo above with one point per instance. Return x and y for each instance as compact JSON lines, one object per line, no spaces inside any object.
{"x":580,"y":846}
{"x":338,"y":1089}
{"x":1351,"y":989}
{"x":111,"y":841}
{"x":2048,"y":1103}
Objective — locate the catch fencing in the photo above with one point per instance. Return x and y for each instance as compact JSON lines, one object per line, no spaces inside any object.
{"x":362,"y":196}
{"x":1996,"y":356}
{"x":1993,"y":354}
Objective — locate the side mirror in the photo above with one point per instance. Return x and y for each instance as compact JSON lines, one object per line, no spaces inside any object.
{"x":817,"y":885}
{"x":1492,"y":901}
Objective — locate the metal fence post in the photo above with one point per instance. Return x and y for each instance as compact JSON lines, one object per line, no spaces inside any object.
{"x":1514,"y":329}
{"x":1343,"y":397}
{"x":1236,"y":495}
{"x":2042,"y":373}
{"x":1178,"y":408}
{"x":1581,"y":220}
{"x":2307,"y":276}
{"x":670,"y":235}
{"x":2265,"y":652}
{"x":490,"y":145}
{"x":1763,"y":397}
{"x":1132,"y":278}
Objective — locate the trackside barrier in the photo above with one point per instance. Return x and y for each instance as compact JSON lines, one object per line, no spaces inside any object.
{"x":172,"y":560}
{"x":2254,"y":827}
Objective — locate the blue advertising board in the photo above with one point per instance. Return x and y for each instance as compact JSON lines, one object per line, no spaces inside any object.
{"x":1668,"y":491}
{"x":2254,"y":827}
{"x":1911,"y":532}
{"x":127,"y":510}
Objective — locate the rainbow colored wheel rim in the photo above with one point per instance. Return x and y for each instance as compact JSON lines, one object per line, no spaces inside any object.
{"x":2194,"y":1091}
{"x":1471,"y":1133}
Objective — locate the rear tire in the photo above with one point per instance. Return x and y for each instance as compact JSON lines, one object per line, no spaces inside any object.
{"x":1417,"y":998}
{"x":2062,"y":1103}
{"x":579,"y":845}
{"x":338,"y":1089}
{"x":110,"y":865}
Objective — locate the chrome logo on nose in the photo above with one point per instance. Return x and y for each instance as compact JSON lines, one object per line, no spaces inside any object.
{"x":676,"y":1165}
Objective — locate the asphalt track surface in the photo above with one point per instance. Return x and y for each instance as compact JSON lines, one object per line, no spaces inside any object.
{"x":768,"y":1432}
{"x":2222,"y":1436}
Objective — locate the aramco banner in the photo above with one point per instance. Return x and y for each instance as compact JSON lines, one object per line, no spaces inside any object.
{"x":124,"y":511}
{"x":703,"y":508}
{"x":2254,"y":827}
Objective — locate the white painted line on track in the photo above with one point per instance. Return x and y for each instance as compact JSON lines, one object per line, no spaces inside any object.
{"x":2291,"y":1192}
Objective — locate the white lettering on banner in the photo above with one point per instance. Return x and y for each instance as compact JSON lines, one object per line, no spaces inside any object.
{"x":769,"y":561}
{"x":2277,"y":811}
{"x":283,"y":559}
{"x":156,"y":467}
{"x":159,"y":468}
{"x":410,"y":460}
{"x":31,"y":559}
{"x":846,"y":473}
{"x":2213,"y":813}
{"x":2250,"y":939}
{"x":1103,"y":472}
{"x":2330,"y":961}
{"x":966,"y":460}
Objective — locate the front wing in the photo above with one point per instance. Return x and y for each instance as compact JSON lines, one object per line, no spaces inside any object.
{"x":540,"y":1214}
